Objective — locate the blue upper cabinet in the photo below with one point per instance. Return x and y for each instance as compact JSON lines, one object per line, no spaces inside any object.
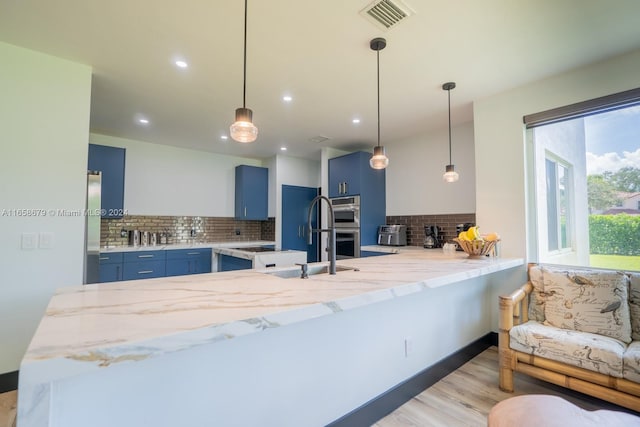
{"x":252,"y":187}
{"x":109,"y":161}
{"x":351,"y":175}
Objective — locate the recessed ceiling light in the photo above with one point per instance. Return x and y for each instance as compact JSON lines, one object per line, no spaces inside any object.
{"x":224,"y":137}
{"x":283,"y":148}
{"x":287,"y":98}
{"x":356,"y":121}
{"x":143,"y":121}
{"x":181,"y":64}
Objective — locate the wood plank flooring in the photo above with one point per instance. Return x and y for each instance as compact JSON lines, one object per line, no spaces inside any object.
{"x":465,"y":397}
{"x":462,"y":398}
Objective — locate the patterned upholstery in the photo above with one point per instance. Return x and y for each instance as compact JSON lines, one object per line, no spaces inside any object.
{"x":587,"y":300}
{"x":634,"y":305}
{"x":582,"y":349}
{"x":631,"y":361}
{"x":537,"y":297}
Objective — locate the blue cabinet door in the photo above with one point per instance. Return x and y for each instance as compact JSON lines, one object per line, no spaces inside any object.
{"x":110,"y":273}
{"x":188,"y":261}
{"x":110,"y":161}
{"x":295,"y":212}
{"x":344,"y":174}
{"x":110,"y":267}
{"x":252,"y":186}
{"x":351,"y":175}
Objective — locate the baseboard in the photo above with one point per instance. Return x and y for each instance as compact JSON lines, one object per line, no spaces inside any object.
{"x":8,"y":381}
{"x":392,"y":399}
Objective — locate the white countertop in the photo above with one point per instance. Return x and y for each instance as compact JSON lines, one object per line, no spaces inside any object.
{"x":194,"y":245}
{"x":98,"y":325}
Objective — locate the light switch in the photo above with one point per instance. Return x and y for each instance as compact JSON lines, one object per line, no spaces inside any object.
{"x":29,"y":241}
{"x":46,"y":240}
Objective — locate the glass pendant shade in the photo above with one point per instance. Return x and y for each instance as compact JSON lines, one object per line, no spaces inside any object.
{"x":450,"y":174}
{"x":243,"y":129}
{"x":379,"y":160}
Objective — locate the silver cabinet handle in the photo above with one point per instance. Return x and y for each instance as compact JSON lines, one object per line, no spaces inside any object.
{"x":245,"y":211}
{"x":145,"y":272}
{"x":345,"y":188}
{"x":193,"y":253}
{"x":145,"y":256}
{"x":104,"y":257}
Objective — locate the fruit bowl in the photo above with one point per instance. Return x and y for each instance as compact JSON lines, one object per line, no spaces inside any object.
{"x":477,"y":248}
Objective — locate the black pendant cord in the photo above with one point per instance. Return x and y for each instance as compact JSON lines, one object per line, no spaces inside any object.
{"x":244,"y":78}
{"x":378,"y":61}
{"x":449,"y":95}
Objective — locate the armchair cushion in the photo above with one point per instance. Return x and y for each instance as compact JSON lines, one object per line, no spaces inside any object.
{"x":581,"y":349}
{"x":588,"y":301}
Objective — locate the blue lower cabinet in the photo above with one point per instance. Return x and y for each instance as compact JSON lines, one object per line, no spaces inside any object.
{"x":115,"y":266}
{"x":188,"y":261}
{"x":231,"y":263}
{"x":110,"y":267}
{"x":144,"y":264}
{"x":143,"y":270}
{"x":110,"y":272}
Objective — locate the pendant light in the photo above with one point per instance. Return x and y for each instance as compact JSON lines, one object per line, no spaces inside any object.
{"x":379,"y":160}
{"x":450,"y":175}
{"x":243,"y":129}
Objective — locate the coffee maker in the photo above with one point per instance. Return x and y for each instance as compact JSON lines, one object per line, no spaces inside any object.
{"x":432,"y":236}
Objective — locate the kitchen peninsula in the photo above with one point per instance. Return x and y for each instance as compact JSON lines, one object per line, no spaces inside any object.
{"x":251,"y":348}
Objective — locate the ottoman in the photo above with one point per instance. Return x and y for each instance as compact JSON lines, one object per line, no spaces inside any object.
{"x":538,"y":410}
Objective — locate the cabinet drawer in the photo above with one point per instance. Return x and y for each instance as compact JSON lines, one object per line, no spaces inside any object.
{"x":111,"y":258}
{"x":137,"y":256}
{"x":188,"y":253}
{"x":143,"y":269}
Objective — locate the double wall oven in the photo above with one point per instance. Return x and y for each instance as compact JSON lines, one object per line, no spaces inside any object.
{"x":347,"y":222}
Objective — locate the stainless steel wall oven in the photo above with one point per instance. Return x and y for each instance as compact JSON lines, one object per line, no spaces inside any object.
{"x":347,"y":222}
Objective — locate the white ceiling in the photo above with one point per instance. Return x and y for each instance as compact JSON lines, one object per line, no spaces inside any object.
{"x":317,"y":52}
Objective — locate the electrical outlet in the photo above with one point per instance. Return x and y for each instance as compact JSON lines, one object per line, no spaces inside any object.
{"x":408,"y":346}
{"x":237,"y":232}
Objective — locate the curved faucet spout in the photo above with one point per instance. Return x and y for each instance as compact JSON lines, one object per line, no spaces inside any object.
{"x":331,"y":230}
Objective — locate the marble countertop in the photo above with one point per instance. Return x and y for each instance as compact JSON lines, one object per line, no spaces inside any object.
{"x":194,"y":245}
{"x":93,"y":326}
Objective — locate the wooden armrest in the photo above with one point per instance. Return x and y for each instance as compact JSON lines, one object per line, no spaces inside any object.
{"x":514,"y":306}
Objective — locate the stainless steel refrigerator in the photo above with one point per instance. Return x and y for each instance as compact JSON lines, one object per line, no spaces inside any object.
{"x":92,"y":231}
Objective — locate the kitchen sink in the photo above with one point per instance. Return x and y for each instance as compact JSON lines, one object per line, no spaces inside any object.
{"x":312,"y":270}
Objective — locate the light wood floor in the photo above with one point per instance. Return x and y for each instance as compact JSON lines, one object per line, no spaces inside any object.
{"x":463,"y":398}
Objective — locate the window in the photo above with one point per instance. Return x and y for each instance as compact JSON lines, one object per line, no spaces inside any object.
{"x":584,"y":172}
{"x":558,"y":207}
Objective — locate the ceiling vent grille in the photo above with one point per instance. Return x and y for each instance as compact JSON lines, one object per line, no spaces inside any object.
{"x":386,"y":13}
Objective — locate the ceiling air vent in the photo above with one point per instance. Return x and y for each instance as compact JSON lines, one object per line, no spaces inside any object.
{"x":320,"y":138}
{"x":386,"y":13}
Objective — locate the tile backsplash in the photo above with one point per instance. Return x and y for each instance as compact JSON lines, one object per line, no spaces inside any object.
{"x":178,"y":228}
{"x":415,"y":225}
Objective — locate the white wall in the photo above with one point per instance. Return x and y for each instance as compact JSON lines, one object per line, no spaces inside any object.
{"x":166,"y":180}
{"x":44,"y":128}
{"x":414,"y":174}
{"x":500,"y":146}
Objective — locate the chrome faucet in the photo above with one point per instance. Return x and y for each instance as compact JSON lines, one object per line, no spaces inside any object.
{"x":331,"y":230}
